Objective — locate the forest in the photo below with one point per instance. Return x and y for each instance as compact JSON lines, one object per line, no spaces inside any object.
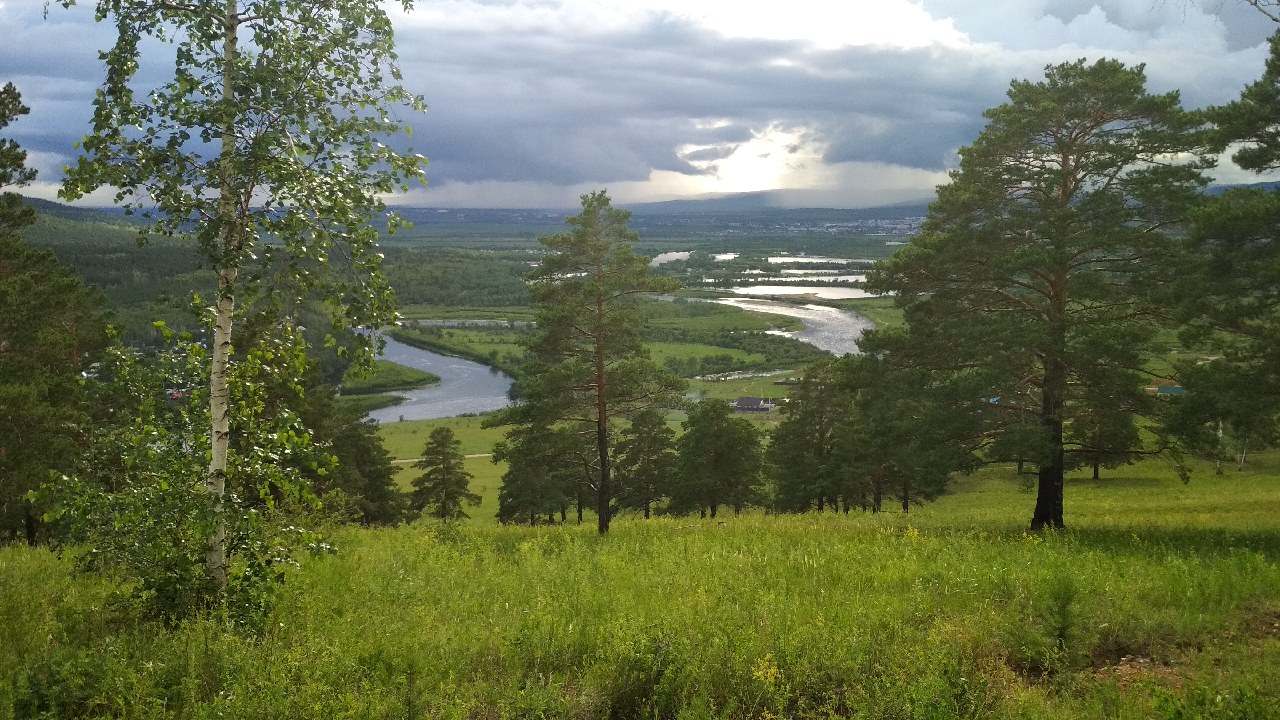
{"x":1045,"y":485}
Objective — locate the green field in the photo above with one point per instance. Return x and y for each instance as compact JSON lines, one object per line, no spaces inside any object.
{"x":1162,"y":600}
{"x":406,"y":439}
{"x":386,"y":377}
{"x":879,"y":310}
{"x":661,"y":351}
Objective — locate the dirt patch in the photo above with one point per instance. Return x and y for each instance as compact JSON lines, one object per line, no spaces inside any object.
{"x":1262,"y":624}
{"x":1132,"y":669}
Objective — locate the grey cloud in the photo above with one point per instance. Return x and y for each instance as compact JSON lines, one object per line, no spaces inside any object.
{"x":569,"y":110}
{"x":710,"y":154}
{"x":564,"y":107}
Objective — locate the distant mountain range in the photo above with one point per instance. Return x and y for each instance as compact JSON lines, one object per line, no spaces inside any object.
{"x":1219,"y":189}
{"x":752,"y":203}
{"x":78,"y":213}
{"x":773,"y":203}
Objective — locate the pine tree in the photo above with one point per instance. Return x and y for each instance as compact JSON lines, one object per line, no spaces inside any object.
{"x":587,"y":365}
{"x":721,"y":461}
{"x":1035,"y":275}
{"x":1229,"y":286}
{"x":801,"y":449}
{"x":444,"y":484}
{"x":646,"y":461}
{"x":50,"y":327}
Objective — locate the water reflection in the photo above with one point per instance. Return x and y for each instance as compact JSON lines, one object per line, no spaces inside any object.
{"x":832,"y":329}
{"x":464,"y":387}
{"x":818,"y":291}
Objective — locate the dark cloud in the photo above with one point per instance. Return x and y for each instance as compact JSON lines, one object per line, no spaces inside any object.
{"x":518,"y":94}
{"x":617,"y":106}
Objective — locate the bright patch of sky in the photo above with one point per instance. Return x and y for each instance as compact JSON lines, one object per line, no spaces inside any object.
{"x":846,"y":104}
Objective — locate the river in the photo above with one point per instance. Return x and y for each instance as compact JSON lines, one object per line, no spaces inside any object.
{"x":468,"y":387}
{"x":465,"y":386}
{"x":832,"y":329}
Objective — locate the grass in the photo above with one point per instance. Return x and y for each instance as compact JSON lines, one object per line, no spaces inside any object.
{"x":660,"y":351}
{"x":406,"y":439}
{"x":733,"y":387}
{"x":386,"y":377}
{"x":713,"y":317}
{"x":1162,"y":600}
{"x":369,"y":403}
{"x":438,"y":312}
{"x":497,"y":347}
{"x":879,"y":310}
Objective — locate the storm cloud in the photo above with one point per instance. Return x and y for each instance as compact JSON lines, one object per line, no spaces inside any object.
{"x":532,"y":102}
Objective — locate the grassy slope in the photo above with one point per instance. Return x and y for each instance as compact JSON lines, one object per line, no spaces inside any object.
{"x":388,"y":376}
{"x":1161,"y":599}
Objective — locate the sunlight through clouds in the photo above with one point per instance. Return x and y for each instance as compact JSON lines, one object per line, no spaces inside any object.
{"x":533,"y":102}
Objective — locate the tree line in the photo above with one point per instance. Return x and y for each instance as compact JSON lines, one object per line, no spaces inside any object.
{"x":1074,"y":237}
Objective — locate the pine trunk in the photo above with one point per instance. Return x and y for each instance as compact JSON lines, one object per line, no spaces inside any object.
{"x":30,"y":524}
{"x":602,"y":418}
{"x":1048,"y":512}
{"x":602,"y":446}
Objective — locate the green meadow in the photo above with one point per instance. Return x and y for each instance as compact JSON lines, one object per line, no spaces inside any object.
{"x":388,"y":376}
{"x":1160,"y":600}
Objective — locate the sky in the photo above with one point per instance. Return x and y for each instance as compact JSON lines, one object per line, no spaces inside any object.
{"x":850,"y":103}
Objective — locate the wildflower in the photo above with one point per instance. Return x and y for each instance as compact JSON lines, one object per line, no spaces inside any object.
{"x":767,"y":671}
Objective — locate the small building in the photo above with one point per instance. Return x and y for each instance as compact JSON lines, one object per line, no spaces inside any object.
{"x":753,"y":404}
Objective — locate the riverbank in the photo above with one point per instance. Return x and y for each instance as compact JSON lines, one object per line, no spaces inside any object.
{"x":465,"y":387}
{"x":470,"y":385}
{"x":833,"y":329}
{"x":389,"y":376}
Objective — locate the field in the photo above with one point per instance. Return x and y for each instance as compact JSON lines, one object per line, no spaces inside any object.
{"x":1162,"y":600}
{"x":387,"y":377}
{"x":879,"y":310}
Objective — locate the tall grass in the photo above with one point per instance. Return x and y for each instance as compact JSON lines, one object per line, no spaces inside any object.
{"x":1160,"y":600}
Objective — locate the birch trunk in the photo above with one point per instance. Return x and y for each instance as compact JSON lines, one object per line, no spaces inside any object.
{"x":230,"y":233}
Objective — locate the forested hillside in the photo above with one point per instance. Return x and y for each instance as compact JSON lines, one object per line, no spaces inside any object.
{"x":142,"y":283}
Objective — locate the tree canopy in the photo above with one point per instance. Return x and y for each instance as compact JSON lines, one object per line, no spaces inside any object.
{"x":586,"y":363}
{"x":1030,"y":289}
{"x":1230,"y":286}
{"x":265,"y":145}
{"x":51,"y":324}
{"x":442,"y":488}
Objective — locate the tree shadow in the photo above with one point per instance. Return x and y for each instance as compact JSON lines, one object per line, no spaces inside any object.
{"x":1183,"y":540}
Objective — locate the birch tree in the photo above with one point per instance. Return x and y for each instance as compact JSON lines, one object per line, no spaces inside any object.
{"x":265,"y":146}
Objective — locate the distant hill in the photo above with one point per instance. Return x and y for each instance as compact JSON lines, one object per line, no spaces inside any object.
{"x":1219,"y":189}
{"x":49,"y":208}
{"x":766,"y":202}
